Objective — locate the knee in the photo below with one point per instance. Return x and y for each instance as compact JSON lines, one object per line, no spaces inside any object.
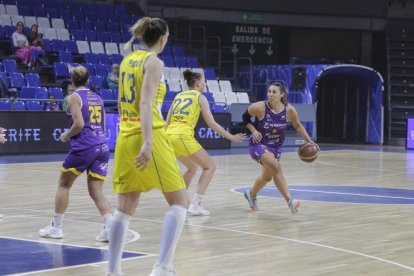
{"x":267,"y":178}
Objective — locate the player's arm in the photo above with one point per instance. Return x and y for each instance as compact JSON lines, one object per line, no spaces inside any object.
{"x":153,"y":68}
{"x":168,"y":120}
{"x":74,"y":107}
{"x":209,"y":119}
{"x":292,"y":115}
{"x":254,"y":110}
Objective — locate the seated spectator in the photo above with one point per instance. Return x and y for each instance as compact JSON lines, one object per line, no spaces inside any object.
{"x":52,"y":105}
{"x":26,"y":52}
{"x":113,"y":77}
{"x":69,"y":89}
{"x":35,"y":38}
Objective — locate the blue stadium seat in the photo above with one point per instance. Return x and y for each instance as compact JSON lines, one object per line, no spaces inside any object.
{"x":100,"y":26}
{"x":115,"y":37}
{"x":209,"y":97}
{"x":85,"y":25}
{"x":90,"y":68}
{"x":58,"y":45}
{"x":100,"y":70}
{"x":91,"y":35}
{"x":10,"y":66}
{"x":169,"y":96}
{"x":33,"y":80}
{"x":66,"y":15}
{"x":19,"y":106}
{"x":25,"y":10}
{"x":41,"y":93}
{"x":103,"y":36}
{"x":210,"y":74}
{"x":61,"y":70}
{"x":106,"y":94}
{"x":65,"y":56}
{"x":180,"y":61}
{"x":53,"y":13}
{"x":34,"y":106}
{"x":5,"y":79}
{"x":168,"y":61}
{"x":114,"y":27}
{"x":193,"y":62}
{"x":96,"y":82}
{"x":78,"y":34}
{"x":47,"y":45}
{"x":57,"y":92}
{"x":218,"y":108}
{"x":17,"y":80}
{"x":165,"y":107}
{"x":71,"y":46}
{"x":72,"y":25}
{"x":104,"y":59}
{"x":28,"y":93}
{"x":117,"y":58}
{"x":91,"y":58}
{"x":5,"y":105}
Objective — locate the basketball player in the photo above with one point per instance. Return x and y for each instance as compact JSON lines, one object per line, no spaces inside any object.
{"x":266,"y":141}
{"x":2,"y":135}
{"x":181,"y":120}
{"x":144,"y":158}
{"x":88,"y":151}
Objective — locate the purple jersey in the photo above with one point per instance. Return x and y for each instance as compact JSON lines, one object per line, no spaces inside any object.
{"x":272,"y":127}
{"x":93,"y":113}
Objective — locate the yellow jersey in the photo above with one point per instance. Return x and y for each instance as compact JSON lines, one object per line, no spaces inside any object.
{"x":131,"y":76}
{"x":185,"y":112}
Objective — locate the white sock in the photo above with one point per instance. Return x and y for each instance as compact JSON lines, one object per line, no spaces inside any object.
{"x":197,"y":199}
{"x":171,"y":230}
{"x":57,"y":219}
{"x":117,"y":235}
{"x":107,"y":220}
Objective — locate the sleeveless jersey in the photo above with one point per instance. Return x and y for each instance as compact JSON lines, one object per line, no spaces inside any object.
{"x":131,"y":77}
{"x":185,"y":113}
{"x":93,"y":113}
{"x":272,"y":127}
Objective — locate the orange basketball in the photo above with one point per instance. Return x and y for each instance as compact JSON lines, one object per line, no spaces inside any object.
{"x":308,"y":152}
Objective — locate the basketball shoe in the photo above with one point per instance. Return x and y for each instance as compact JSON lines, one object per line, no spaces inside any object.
{"x":51,"y":231}
{"x":104,"y":235}
{"x":198,"y":210}
{"x":252,"y":200}
{"x":162,"y":271}
{"x":294,"y":206}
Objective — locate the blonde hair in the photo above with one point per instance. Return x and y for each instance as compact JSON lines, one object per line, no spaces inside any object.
{"x":79,"y":75}
{"x":148,"y":29}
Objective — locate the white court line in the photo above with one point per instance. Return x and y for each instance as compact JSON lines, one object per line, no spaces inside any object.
{"x":279,"y":238}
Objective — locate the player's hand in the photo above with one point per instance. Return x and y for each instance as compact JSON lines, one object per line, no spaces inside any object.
{"x":64,"y":137}
{"x":239,"y":137}
{"x":3,"y":138}
{"x":256,"y":137}
{"x":144,"y":156}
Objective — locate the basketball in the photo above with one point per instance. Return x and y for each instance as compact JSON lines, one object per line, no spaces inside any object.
{"x":308,"y":152}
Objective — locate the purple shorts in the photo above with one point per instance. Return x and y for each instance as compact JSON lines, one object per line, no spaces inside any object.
{"x":94,"y":160}
{"x":257,"y":150}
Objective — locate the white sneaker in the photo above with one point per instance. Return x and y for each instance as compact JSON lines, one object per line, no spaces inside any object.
{"x":162,"y":271}
{"x":294,"y":206}
{"x":198,"y":210}
{"x":104,"y":235}
{"x":51,"y":231}
{"x":252,"y":200}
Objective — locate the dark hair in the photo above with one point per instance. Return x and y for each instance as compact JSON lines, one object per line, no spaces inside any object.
{"x":19,"y":23}
{"x":148,"y":29}
{"x":283,"y":90}
{"x":79,"y":76}
{"x":191,"y":77}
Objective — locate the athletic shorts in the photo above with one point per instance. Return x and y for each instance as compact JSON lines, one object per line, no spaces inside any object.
{"x":162,"y":172}
{"x":184,"y":145}
{"x":93,"y":160}
{"x":257,"y":150}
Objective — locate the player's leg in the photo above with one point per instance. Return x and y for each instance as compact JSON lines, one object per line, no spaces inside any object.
{"x":202,"y":159}
{"x":261,"y":181}
{"x":191,"y":169}
{"x":171,"y":231}
{"x":54,"y":229}
{"x":269,"y":161}
{"x":127,"y":203}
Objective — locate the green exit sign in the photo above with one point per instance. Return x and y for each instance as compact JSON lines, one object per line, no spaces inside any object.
{"x":252,"y":16}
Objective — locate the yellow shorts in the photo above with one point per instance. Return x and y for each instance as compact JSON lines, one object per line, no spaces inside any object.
{"x":162,"y":172}
{"x":184,"y":145}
